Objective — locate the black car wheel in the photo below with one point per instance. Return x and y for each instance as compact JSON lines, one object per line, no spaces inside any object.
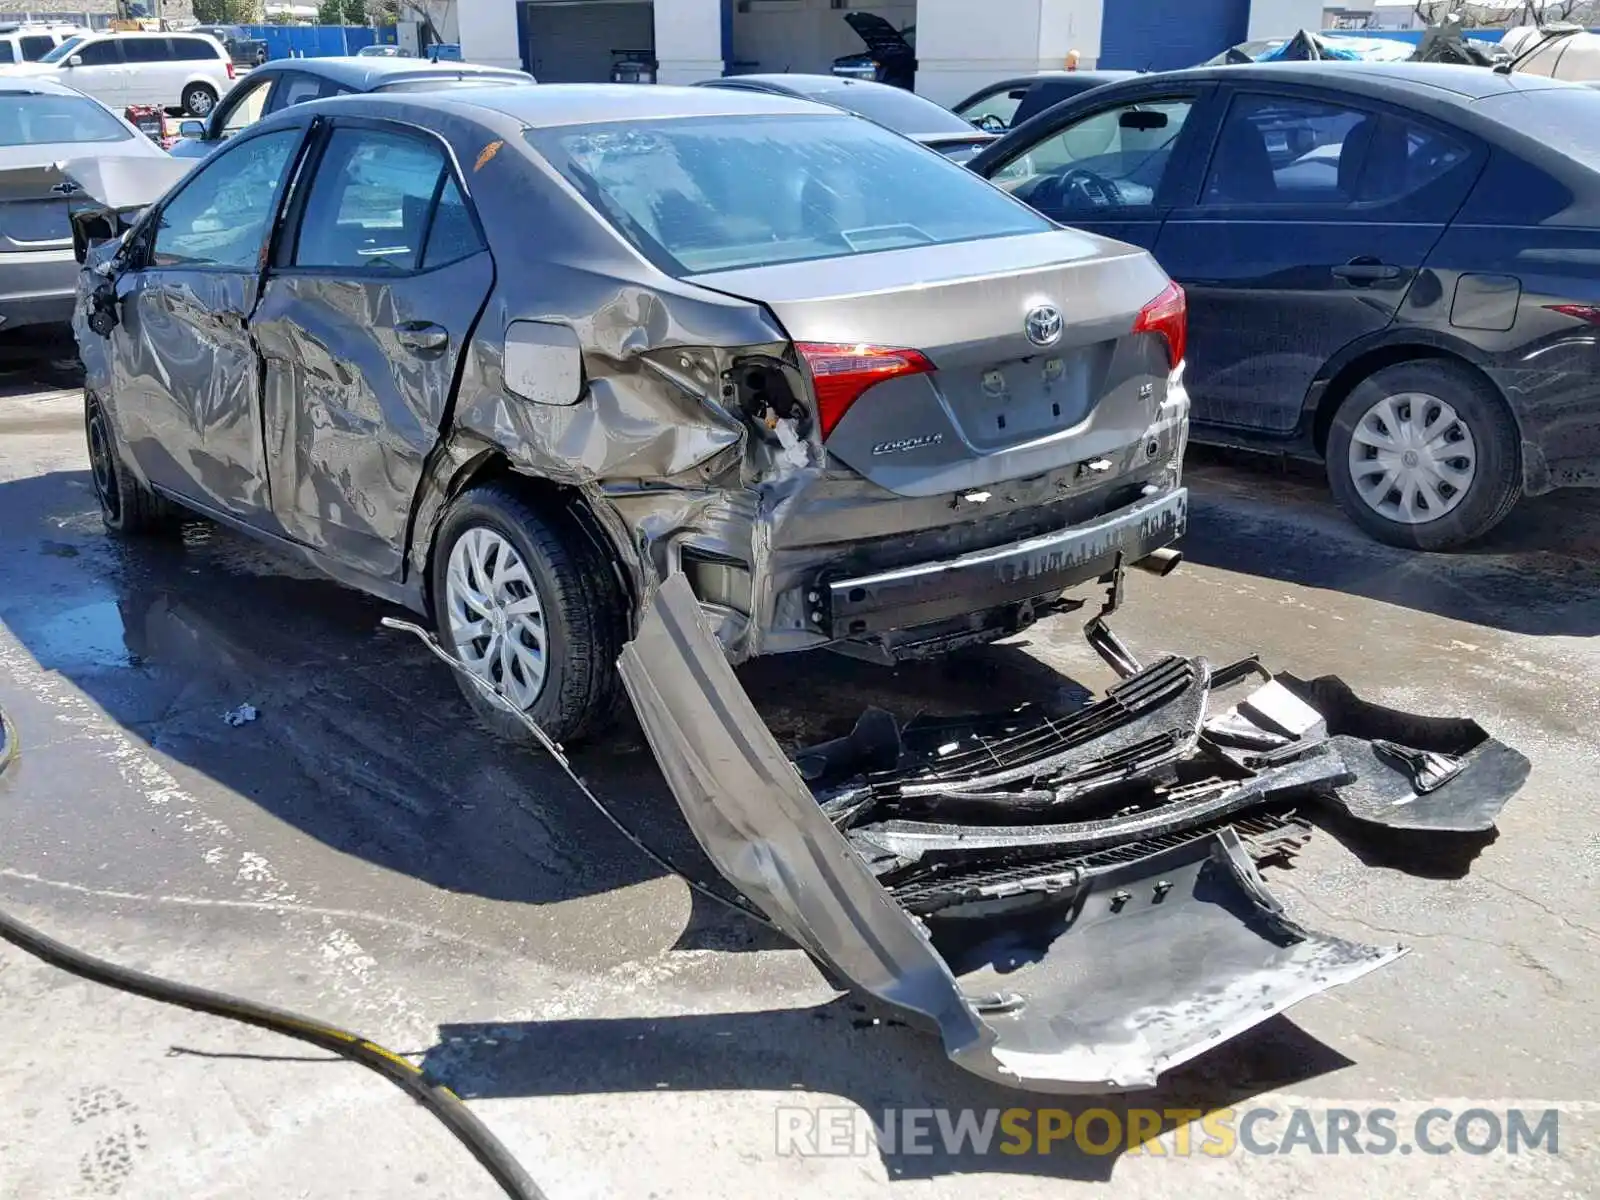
{"x":1425,"y":455}
{"x":126,"y":505}
{"x":522,"y":598}
{"x":198,"y":99}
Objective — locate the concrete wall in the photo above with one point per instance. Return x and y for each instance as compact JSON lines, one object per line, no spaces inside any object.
{"x":962,"y":45}
{"x":688,"y":40}
{"x":1279,"y":18}
{"x":803,"y":35}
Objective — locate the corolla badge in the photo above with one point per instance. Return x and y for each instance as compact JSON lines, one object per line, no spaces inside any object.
{"x":1043,"y":325}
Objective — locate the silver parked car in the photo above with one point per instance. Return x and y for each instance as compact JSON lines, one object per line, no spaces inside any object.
{"x":43,"y":123}
{"x":513,"y":356}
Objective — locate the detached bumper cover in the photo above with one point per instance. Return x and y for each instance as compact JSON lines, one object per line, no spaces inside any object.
{"x":929,"y":592}
{"x":1071,"y":899}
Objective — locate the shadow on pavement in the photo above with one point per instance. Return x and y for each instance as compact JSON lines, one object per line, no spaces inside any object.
{"x":846,"y":1049}
{"x":1538,"y":573}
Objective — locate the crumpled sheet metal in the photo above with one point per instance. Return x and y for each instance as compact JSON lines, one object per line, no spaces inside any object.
{"x":1106,"y":994}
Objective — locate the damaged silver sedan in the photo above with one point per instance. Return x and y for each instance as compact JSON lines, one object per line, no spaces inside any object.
{"x":511,"y":357}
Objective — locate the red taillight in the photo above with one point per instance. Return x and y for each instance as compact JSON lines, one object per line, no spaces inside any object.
{"x":1583,"y":312}
{"x":231,"y":74}
{"x":1167,"y":315}
{"x":839,"y":374}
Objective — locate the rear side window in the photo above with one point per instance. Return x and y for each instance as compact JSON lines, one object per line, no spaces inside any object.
{"x":999,"y":107}
{"x":717,"y":194}
{"x":146,"y":50}
{"x":8,"y":53}
{"x":373,"y":200}
{"x":36,"y":47}
{"x":190,"y":49}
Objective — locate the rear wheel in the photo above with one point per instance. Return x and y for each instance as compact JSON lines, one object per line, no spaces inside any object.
{"x":1424,"y":455}
{"x":198,"y":99}
{"x":521,"y":597}
{"x":126,"y":505}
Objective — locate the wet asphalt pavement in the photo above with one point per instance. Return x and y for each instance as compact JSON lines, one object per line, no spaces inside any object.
{"x":362,"y":852}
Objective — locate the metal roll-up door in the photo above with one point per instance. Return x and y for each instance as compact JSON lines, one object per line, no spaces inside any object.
{"x":1158,"y":35}
{"x":575,"y":42}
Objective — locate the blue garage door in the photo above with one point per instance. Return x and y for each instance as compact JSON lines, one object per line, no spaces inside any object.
{"x":1158,"y":35}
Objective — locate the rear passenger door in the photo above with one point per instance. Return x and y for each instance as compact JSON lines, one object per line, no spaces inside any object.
{"x":1310,"y":225}
{"x":149,"y":76}
{"x":373,"y":293}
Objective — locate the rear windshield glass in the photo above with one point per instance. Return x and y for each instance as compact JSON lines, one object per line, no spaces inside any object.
{"x":41,"y":120}
{"x":718,"y":194}
{"x":1567,"y":119}
{"x":900,"y":110}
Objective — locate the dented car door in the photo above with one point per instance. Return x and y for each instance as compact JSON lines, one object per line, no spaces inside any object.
{"x":185,"y":372}
{"x":370,"y":301}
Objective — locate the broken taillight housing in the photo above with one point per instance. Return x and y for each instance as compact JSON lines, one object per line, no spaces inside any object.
{"x":839,"y":374}
{"x":1167,"y":315}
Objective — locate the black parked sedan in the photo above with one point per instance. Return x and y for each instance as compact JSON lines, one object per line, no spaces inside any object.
{"x":1395,"y":267}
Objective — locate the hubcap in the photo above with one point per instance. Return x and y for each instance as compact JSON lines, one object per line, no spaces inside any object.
{"x":1412,"y":458}
{"x":495,"y":617}
{"x":105,"y":479}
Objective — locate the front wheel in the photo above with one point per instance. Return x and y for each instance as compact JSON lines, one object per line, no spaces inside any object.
{"x":1425,"y":455}
{"x":198,"y":99}
{"x":126,"y":505}
{"x":523,"y":600}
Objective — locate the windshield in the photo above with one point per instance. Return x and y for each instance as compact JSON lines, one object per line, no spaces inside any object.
{"x":718,"y":194}
{"x":63,"y":50}
{"x":45,"y":120}
{"x":902,"y":111}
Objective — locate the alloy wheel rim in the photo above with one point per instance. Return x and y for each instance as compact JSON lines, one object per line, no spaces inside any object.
{"x":495,"y":616}
{"x":200,"y":103}
{"x":105,"y":479}
{"x":1412,"y":458}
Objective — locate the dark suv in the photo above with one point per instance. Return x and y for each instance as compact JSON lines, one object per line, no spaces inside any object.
{"x":245,"y":50}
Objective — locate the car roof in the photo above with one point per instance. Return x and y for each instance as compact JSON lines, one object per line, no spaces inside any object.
{"x":804,"y":83}
{"x":556,"y":104}
{"x":1435,"y":80}
{"x":373,"y":71}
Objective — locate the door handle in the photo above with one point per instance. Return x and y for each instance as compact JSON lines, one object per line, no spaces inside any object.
{"x":1365,"y":270}
{"x":423,"y":337}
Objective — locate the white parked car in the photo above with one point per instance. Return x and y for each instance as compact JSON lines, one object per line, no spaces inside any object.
{"x":189,"y":71}
{"x":30,"y":41}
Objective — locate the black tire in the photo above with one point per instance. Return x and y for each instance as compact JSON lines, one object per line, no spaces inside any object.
{"x":198,"y":100}
{"x":127,"y":506}
{"x":585,"y":612}
{"x":1496,"y":485}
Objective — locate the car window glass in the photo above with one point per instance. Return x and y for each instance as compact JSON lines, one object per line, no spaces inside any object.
{"x":34,"y":48}
{"x":295,"y":88}
{"x":1403,"y":158}
{"x":452,"y":235}
{"x":220,"y":217}
{"x":7,"y":54}
{"x":57,"y":120}
{"x":65,"y":50}
{"x":999,"y":107}
{"x":247,"y":110}
{"x":145,"y":50}
{"x":99,"y":54}
{"x":717,"y":194}
{"x":190,"y":49}
{"x":368,"y":205}
{"x":1279,"y":150}
{"x":1115,"y":158}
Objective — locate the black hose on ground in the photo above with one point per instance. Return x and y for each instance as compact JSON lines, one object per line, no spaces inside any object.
{"x":435,"y":1097}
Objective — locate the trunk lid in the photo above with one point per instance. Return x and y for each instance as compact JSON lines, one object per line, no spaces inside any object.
{"x":997,"y":404}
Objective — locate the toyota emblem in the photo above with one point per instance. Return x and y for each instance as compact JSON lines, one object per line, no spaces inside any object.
{"x":1043,"y":325}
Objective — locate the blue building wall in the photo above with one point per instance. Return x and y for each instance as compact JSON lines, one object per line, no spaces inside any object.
{"x":1158,"y":35}
{"x":318,"y":41}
